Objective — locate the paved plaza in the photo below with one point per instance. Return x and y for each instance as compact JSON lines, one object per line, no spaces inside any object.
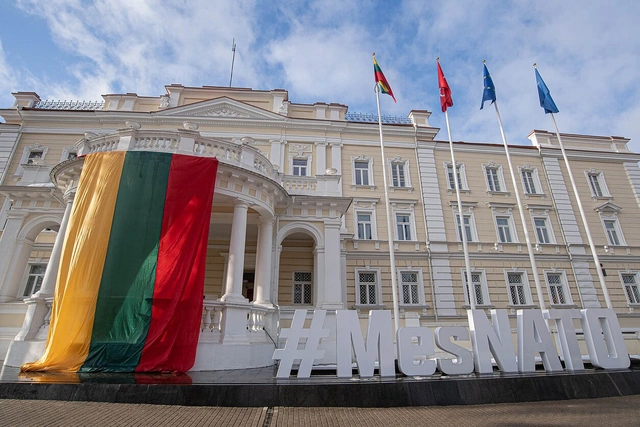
{"x":610,"y":411}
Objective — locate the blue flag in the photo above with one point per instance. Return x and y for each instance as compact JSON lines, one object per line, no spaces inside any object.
{"x":489,"y":93}
{"x":546,"y":101}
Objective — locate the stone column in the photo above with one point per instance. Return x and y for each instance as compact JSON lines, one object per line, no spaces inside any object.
{"x":236,"y":308}
{"x":336,"y":157}
{"x":263,"y":262}
{"x":11,"y":254}
{"x":51,"y":274}
{"x":332,"y":272}
{"x":235,"y":266}
{"x":321,"y":158}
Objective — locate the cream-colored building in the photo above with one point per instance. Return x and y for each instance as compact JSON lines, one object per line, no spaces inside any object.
{"x":299,"y":207}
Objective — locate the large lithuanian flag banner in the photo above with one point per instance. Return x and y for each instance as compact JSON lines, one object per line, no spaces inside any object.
{"x":130,"y":285}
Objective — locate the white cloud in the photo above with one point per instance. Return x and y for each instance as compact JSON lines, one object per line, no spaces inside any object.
{"x":320,"y":51}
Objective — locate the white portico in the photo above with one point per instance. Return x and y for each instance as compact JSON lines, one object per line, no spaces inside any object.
{"x":252,"y":214}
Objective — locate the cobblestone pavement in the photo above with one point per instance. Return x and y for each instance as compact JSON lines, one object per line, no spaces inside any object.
{"x":610,"y":411}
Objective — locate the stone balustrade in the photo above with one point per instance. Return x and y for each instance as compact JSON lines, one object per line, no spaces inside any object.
{"x":181,"y":142}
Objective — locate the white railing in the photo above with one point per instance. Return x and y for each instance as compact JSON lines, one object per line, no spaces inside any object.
{"x":159,"y":142}
{"x":299,"y":184}
{"x":220,"y":149}
{"x":211,"y":316}
{"x":256,"y":319}
{"x":184,"y":142}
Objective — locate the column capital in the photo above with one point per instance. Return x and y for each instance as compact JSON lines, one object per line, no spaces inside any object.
{"x":321,"y":143}
{"x":241,"y":204}
{"x":266,"y":220}
{"x":69,"y":195}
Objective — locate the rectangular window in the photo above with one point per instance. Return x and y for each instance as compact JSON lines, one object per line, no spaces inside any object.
{"x":302,"y":288}
{"x":493,"y":182}
{"x":299,"y":167}
{"x":397,"y":174}
{"x":361,"y":169}
{"x":403,"y":226}
{"x":611,"y":228}
{"x":409,"y":286}
{"x":452,"y":184}
{"x":367,"y":287}
{"x":557,"y":290}
{"x":34,"y":280}
{"x":504,"y":229}
{"x":631,"y":288}
{"x":594,"y":183}
{"x":542,"y":232}
{"x":35,"y":156}
{"x":364,"y":226}
{"x":517,"y":292}
{"x":478,"y":288}
{"x":529,"y":182}
{"x":467,"y":228}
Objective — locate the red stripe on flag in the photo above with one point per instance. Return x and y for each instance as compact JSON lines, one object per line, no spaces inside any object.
{"x":176,"y":315}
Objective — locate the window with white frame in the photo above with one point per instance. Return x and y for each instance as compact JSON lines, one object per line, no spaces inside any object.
{"x":365,"y":225}
{"x":362,"y":171}
{"x":518,"y":288}
{"x":469,"y":227}
{"x":367,"y":287}
{"x":530,"y":180}
{"x":612,"y":229}
{"x":410,"y":287}
{"x":495,"y":178}
{"x":68,"y":153}
{"x":399,"y":173}
{"x":478,"y":288}
{"x":609,"y":217}
{"x":403,"y":226}
{"x":597,"y":184}
{"x":558,"y":291}
{"x":630,"y":283}
{"x":462,"y":180}
{"x":300,"y":167}
{"x":31,"y":155}
{"x":504,"y":229}
{"x":542,"y":229}
{"x":34,"y":279}
{"x":35,"y":157}
{"x":302,"y":288}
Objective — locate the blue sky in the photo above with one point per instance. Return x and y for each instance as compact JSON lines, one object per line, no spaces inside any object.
{"x":320,"y":51}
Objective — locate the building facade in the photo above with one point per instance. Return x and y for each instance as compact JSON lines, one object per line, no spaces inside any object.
{"x":299,"y":220}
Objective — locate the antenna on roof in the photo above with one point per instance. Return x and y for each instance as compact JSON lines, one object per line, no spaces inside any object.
{"x":233,"y":59}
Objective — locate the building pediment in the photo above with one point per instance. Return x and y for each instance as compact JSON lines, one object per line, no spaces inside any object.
{"x":608,"y":207}
{"x":222,"y":108}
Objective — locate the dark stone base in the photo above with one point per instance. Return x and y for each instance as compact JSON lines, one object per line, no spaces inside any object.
{"x":258,"y":387}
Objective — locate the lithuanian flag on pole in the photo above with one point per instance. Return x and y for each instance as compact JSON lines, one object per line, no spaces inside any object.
{"x":130,"y":284}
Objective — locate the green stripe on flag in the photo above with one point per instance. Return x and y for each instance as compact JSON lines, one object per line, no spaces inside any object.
{"x":123,"y":310}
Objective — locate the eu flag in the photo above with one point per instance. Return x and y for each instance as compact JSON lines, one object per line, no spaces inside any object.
{"x":546,"y":101}
{"x":489,"y":93}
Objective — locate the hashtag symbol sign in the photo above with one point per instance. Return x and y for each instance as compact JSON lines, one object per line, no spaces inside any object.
{"x":290,"y":353}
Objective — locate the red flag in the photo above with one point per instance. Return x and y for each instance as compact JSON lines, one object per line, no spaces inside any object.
{"x":445,"y":92}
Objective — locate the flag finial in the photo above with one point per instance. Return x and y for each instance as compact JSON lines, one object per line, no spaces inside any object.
{"x":484,"y":61}
{"x":535,"y":65}
{"x":373,"y":54}
{"x":438,"y":59}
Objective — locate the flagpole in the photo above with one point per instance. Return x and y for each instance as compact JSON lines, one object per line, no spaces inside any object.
{"x":392,"y":254}
{"x":550,"y":107}
{"x":514,"y":182}
{"x":596,"y":259}
{"x":456,"y":183}
{"x":463,"y":232}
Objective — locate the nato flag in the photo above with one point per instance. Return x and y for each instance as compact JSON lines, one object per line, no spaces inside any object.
{"x":489,"y":93}
{"x":546,"y":101}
